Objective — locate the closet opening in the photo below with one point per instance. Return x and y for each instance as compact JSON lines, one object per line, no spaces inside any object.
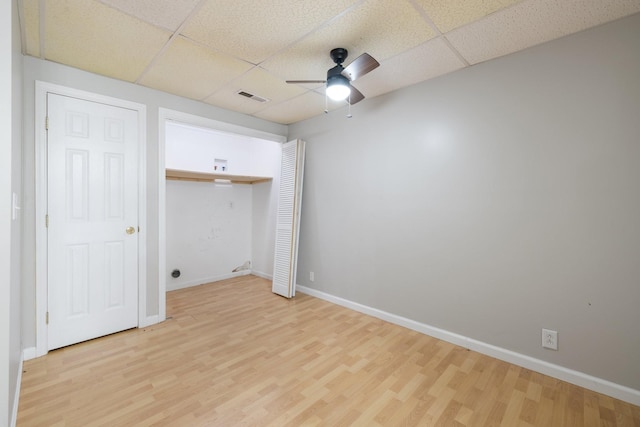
{"x":218,"y":200}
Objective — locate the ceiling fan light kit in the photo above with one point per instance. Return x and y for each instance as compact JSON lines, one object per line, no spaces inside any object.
{"x":338,"y":87}
{"x":339,"y":78}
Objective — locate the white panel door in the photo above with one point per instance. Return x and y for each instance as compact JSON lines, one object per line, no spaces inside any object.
{"x":92,"y":219}
{"x":288,"y":219}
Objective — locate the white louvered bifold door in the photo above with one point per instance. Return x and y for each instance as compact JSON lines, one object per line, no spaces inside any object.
{"x":288,"y":219}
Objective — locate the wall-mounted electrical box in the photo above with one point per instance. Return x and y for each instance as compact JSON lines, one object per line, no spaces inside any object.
{"x":220,"y":165}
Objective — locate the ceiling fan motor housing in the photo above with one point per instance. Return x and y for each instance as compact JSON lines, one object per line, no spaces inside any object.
{"x":335,"y":74}
{"x":339,"y":55}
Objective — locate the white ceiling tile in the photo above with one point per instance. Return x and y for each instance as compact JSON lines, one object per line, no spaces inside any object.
{"x":294,"y":110}
{"x":382,"y":28}
{"x":302,"y":62}
{"x":257,"y":82}
{"x":450,"y":14}
{"x":291,"y":39}
{"x":192,"y":71}
{"x":533,"y":22}
{"x":102,"y":40}
{"x":168,"y":14}
{"x":266,"y":85}
{"x":31,"y":13}
{"x":245,"y":30}
{"x":228,"y":98}
{"x":426,"y":61}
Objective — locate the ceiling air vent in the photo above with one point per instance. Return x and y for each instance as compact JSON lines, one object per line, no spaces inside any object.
{"x":252,"y":96}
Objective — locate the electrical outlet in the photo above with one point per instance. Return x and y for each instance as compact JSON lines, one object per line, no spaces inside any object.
{"x":550,"y":339}
{"x":312,"y":276}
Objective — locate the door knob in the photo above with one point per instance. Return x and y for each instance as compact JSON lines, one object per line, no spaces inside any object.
{"x":130,"y":230}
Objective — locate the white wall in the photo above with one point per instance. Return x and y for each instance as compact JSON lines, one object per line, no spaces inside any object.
{"x":35,"y":69}
{"x":196,"y":149}
{"x":208,"y":231}
{"x":10,"y":229}
{"x":265,"y":207}
{"x":211,"y":227}
{"x":492,"y":202}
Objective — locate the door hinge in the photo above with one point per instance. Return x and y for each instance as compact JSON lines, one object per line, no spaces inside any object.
{"x":46,"y":123}
{"x":46,"y":220}
{"x":47,"y":318}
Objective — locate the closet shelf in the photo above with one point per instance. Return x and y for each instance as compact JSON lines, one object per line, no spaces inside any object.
{"x":183,"y":175}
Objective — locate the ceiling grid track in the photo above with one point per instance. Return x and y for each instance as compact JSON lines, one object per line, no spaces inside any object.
{"x":439,"y":33}
{"x":293,"y":43}
{"x":209,"y":50}
{"x":175,"y":34}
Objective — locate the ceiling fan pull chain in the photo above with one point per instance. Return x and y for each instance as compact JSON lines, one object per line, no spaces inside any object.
{"x":349,"y":108}
{"x":326,"y":104}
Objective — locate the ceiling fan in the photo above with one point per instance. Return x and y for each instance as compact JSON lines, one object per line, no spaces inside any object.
{"x":339,"y":78}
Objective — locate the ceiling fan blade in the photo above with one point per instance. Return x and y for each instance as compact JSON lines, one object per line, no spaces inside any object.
{"x":355,"y":96}
{"x":360,"y":66}
{"x":304,"y":81}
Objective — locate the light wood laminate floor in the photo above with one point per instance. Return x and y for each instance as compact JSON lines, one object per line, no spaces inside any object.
{"x":234,"y":354}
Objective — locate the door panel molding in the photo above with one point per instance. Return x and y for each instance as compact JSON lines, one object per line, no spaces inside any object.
{"x":41,"y":91}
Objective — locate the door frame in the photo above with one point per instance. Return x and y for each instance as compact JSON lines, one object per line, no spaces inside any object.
{"x":166,"y":115}
{"x":41,"y":91}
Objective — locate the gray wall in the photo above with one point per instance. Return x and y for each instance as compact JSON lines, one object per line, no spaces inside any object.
{"x":36,"y":69}
{"x":492,"y":202}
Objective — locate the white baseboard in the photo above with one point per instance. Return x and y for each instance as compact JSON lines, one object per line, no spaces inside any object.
{"x":261,"y":274}
{"x":574,"y":377}
{"x":149,"y":320}
{"x":29,"y":353}
{"x":202,"y":281}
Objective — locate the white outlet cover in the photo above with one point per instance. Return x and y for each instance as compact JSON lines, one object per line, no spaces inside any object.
{"x":550,"y":339}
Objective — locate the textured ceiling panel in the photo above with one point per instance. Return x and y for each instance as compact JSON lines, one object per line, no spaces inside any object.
{"x":224,"y":40}
{"x":256,"y":82}
{"x":264,"y":84}
{"x":103,"y":40}
{"x":192,"y":71}
{"x":303,"y":62}
{"x":243,"y":29}
{"x":532,"y":22}
{"x":229,"y":99}
{"x":450,"y":14}
{"x":294,"y":110}
{"x":31,"y":27}
{"x":381,"y":28}
{"x":426,"y":61}
{"x":167,"y":14}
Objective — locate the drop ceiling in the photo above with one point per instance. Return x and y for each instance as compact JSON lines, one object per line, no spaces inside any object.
{"x":210,"y":50}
